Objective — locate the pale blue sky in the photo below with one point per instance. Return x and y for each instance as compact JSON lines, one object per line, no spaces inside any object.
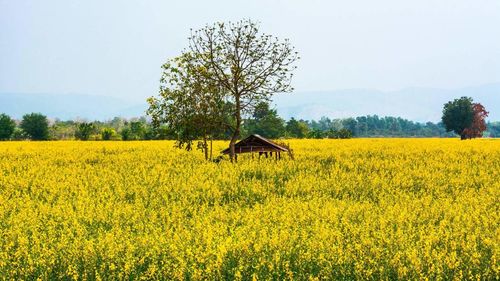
{"x":115,"y":48}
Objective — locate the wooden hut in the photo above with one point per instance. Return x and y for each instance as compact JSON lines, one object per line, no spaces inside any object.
{"x":257,"y":144}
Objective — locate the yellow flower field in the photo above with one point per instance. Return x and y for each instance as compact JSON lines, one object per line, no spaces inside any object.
{"x":344,"y":209}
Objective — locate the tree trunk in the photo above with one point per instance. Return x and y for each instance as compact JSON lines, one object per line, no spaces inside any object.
{"x":205,"y":147}
{"x":236,"y":132}
{"x":463,"y":136}
{"x":211,"y":147}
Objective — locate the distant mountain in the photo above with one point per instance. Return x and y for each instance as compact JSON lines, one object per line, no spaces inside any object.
{"x":69,"y":106}
{"x":417,"y":104}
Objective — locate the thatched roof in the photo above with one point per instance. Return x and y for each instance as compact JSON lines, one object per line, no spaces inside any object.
{"x":256,"y":143}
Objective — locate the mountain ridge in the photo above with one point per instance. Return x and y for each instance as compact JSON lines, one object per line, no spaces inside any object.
{"x":416,"y":103}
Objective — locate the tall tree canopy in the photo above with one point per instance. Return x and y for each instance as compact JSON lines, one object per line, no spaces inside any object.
{"x":36,"y":126}
{"x":247,"y":65}
{"x":458,"y":115}
{"x":465,"y":118}
{"x":7,"y":127}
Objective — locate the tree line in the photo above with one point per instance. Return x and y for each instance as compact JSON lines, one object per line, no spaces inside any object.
{"x":264,"y":121}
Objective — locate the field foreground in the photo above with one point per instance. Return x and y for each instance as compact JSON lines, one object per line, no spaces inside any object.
{"x":344,"y":209}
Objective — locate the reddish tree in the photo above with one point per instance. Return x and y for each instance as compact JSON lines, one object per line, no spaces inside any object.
{"x":478,"y":125}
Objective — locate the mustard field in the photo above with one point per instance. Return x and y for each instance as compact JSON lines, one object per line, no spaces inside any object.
{"x":343,"y":209}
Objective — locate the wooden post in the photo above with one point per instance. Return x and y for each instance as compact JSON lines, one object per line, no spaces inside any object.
{"x":276,"y":155}
{"x":279,"y":155}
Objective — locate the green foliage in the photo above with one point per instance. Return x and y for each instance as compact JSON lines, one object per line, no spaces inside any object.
{"x":107,"y":134}
{"x":19,"y":134}
{"x":126,"y":134}
{"x":350,"y":124}
{"x":265,"y":122}
{"x":137,"y":130}
{"x":316,"y":134}
{"x":269,"y":125}
{"x":344,"y":134}
{"x":297,"y":129}
{"x":162,"y":132}
{"x":458,"y":115}
{"x":62,"y":130}
{"x":190,"y":104}
{"x":375,"y":126}
{"x":7,"y":127}
{"x":36,"y":126}
{"x":340,"y":134}
{"x":84,"y":131}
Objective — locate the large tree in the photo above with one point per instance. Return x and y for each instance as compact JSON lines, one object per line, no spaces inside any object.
{"x":247,"y":65}
{"x":7,"y":127}
{"x":458,"y":116}
{"x":36,"y":126}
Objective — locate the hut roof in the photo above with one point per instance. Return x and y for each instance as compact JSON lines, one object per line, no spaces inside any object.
{"x":255,"y":143}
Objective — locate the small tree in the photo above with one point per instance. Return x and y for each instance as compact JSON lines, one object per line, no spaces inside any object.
{"x":458,"y":115}
{"x":247,"y":65}
{"x":7,"y":127}
{"x":297,"y":129}
{"x":84,"y":131}
{"x":316,"y":134}
{"x":126,"y":133}
{"x":36,"y":126}
{"x":137,"y":130}
{"x":107,"y":133}
{"x":344,"y":134}
{"x":189,"y":104}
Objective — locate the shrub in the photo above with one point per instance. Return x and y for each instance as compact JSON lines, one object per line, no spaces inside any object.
{"x":107,"y":133}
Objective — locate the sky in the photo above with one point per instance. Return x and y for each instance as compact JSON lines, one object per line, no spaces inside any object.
{"x":115,"y":48}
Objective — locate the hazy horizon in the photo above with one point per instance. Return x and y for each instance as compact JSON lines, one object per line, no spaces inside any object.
{"x":416,"y":104}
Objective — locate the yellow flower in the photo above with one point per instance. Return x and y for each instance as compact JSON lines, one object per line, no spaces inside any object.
{"x":346,"y":209}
